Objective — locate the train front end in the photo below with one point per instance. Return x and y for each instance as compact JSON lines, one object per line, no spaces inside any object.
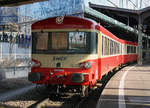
{"x":64,"y":53}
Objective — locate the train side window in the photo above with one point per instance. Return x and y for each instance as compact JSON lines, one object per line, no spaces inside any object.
{"x":120,"y":48}
{"x":131,"y":49}
{"x":128,"y":49}
{"x":105,"y":46}
{"x":134,"y":49}
{"x":117,"y":48}
{"x":113,"y":47}
{"x":124,"y":49}
{"x":96,"y":50}
{"x":102,"y":45}
{"x":108,"y":47}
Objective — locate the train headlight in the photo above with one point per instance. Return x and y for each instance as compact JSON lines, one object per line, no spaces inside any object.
{"x":86,"y":65}
{"x":51,"y":73}
{"x":34,"y":64}
{"x":31,"y":64}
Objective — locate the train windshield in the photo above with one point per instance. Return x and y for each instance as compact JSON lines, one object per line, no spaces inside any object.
{"x":63,"y":42}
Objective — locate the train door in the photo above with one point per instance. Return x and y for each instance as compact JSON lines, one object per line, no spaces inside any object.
{"x":100,"y":52}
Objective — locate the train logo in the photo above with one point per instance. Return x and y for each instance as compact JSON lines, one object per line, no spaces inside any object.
{"x":59,"y":20}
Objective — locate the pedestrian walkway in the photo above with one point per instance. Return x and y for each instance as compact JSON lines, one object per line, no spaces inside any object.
{"x":128,"y":88}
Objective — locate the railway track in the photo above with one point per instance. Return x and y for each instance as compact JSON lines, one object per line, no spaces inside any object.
{"x":70,"y":100}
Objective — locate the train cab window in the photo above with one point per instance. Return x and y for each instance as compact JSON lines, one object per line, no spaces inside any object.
{"x":42,"y":41}
{"x":64,"y":42}
{"x":77,"y":40}
{"x":61,"y":38}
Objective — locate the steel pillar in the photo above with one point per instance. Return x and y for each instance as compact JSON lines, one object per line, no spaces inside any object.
{"x":127,"y":3}
{"x":147,"y":48}
{"x":140,"y":41}
{"x":141,"y":4}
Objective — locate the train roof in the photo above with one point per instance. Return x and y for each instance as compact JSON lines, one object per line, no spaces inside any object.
{"x":108,"y":33}
{"x":67,"y":22}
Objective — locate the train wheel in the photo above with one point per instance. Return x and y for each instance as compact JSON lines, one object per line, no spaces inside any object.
{"x":85,"y":91}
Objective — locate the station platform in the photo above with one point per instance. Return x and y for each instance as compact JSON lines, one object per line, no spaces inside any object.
{"x":128,"y":88}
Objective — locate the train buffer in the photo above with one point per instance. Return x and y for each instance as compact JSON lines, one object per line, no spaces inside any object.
{"x":128,"y":88}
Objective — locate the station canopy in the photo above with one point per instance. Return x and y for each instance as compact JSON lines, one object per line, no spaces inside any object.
{"x":128,"y":17}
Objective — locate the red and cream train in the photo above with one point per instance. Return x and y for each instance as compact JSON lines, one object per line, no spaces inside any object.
{"x":73,"y":53}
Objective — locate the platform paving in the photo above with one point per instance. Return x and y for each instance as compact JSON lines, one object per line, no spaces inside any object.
{"x":128,"y":88}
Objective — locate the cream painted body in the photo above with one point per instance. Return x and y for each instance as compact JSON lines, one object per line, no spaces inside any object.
{"x":66,"y":60}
